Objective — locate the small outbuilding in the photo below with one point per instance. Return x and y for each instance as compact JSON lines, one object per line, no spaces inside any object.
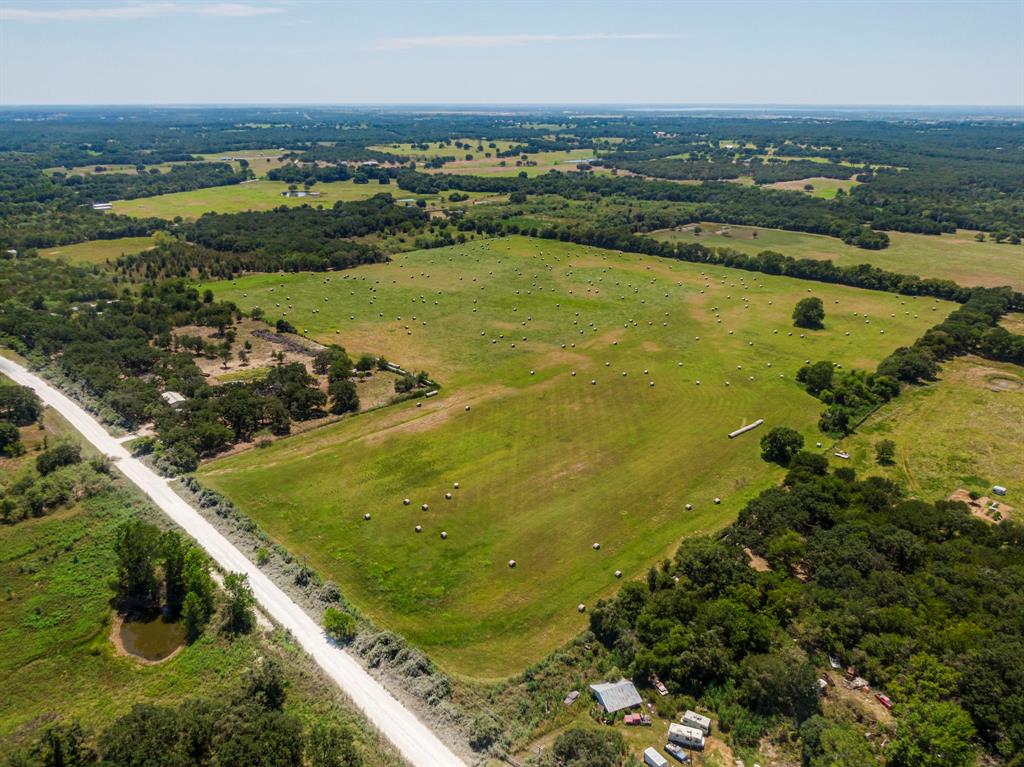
{"x":173,"y":398}
{"x":616,"y":696}
{"x":653,"y":758}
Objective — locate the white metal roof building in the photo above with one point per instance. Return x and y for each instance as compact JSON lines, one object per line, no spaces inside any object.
{"x":652,"y":758}
{"x":173,"y":398}
{"x":615,"y":696}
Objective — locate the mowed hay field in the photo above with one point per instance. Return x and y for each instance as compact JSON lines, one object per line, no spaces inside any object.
{"x":257,"y":195}
{"x":958,"y":257}
{"x":99,"y":251}
{"x":547,"y":462}
{"x":964,"y":430}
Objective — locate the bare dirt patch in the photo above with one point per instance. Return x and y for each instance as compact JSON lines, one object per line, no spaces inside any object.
{"x":756,"y":562}
{"x":990,"y":510}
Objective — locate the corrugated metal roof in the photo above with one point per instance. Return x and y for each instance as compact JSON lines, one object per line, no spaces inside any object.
{"x":615,"y":696}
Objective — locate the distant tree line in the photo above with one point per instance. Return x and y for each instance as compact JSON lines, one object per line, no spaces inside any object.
{"x":104,"y":187}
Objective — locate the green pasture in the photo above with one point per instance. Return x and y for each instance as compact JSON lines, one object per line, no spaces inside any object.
{"x":259,"y":195}
{"x":548,"y":463}
{"x":964,"y":430}
{"x":99,"y":251}
{"x":545,"y":162}
{"x":446,"y":150}
{"x":823,"y":186}
{"x":958,"y":257}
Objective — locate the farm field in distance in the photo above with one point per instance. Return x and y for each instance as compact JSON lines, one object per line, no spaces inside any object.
{"x":958,"y":257}
{"x":99,"y":251}
{"x":824,"y":187}
{"x":548,"y":463}
{"x":961,"y":431}
{"x":256,"y":195}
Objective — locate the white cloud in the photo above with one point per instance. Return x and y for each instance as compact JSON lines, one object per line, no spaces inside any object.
{"x":505,"y":41}
{"x":236,"y":10}
{"x":135,"y":11}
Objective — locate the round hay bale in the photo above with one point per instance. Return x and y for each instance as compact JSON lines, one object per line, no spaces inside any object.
{"x":419,"y":528}
{"x":456,"y":485}
{"x":444,"y":535}
{"x":593,"y":381}
{"x":366,"y":516}
{"x":652,"y":383}
{"x":467,"y":407}
{"x":406,"y":502}
{"x":718,"y":500}
{"x":581,"y":607}
{"x":817,"y":444}
{"x":425,"y":507}
{"x":618,"y":573}
{"x":689,"y":507}
{"x":448,"y":496}
{"x":512,"y":563}
{"x":597,"y":546}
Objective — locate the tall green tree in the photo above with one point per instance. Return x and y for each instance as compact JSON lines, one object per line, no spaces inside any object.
{"x":809,"y":313}
{"x":137,"y":546}
{"x":239,"y":617}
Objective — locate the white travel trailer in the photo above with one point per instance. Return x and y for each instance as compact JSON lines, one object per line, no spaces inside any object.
{"x":698,"y":722}
{"x":689,"y":737}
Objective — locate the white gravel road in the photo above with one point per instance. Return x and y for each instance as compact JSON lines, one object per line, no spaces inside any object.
{"x":413,"y":739}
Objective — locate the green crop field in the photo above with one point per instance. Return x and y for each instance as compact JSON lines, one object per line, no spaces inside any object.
{"x":256,"y":195}
{"x":958,"y":257}
{"x":962,"y":431}
{"x":99,"y":251}
{"x":548,"y":462}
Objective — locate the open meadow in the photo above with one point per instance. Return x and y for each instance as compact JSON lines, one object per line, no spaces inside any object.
{"x":821,"y":186}
{"x":963,"y":430}
{"x":99,"y":251}
{"x":258,"y":195}
{"x":958,"y":257}
{"x":587,"y":397}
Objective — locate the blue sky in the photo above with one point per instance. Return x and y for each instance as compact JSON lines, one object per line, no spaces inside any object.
{"x":304,"y":51}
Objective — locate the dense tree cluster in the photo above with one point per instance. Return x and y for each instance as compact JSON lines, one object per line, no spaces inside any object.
{"x":761,"y":171}
{"x":250,"y":727}
{"x":921,"y":598}
{"x":304,"y":230}
{"x":104,"y":187}
{"x":120,"y":355}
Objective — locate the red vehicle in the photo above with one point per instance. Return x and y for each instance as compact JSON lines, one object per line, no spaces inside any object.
{"x":883,"y":699}
{"x":636,"y":720}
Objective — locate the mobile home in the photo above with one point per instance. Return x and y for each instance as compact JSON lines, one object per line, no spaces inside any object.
{"x":697,"y":722}
{"x":689,"y":737}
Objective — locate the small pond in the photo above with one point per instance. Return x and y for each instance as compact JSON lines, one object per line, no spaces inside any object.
{"x":151,"y":639}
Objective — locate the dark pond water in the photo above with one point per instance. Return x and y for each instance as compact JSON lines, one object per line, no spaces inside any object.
{"x":153,"y":638}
